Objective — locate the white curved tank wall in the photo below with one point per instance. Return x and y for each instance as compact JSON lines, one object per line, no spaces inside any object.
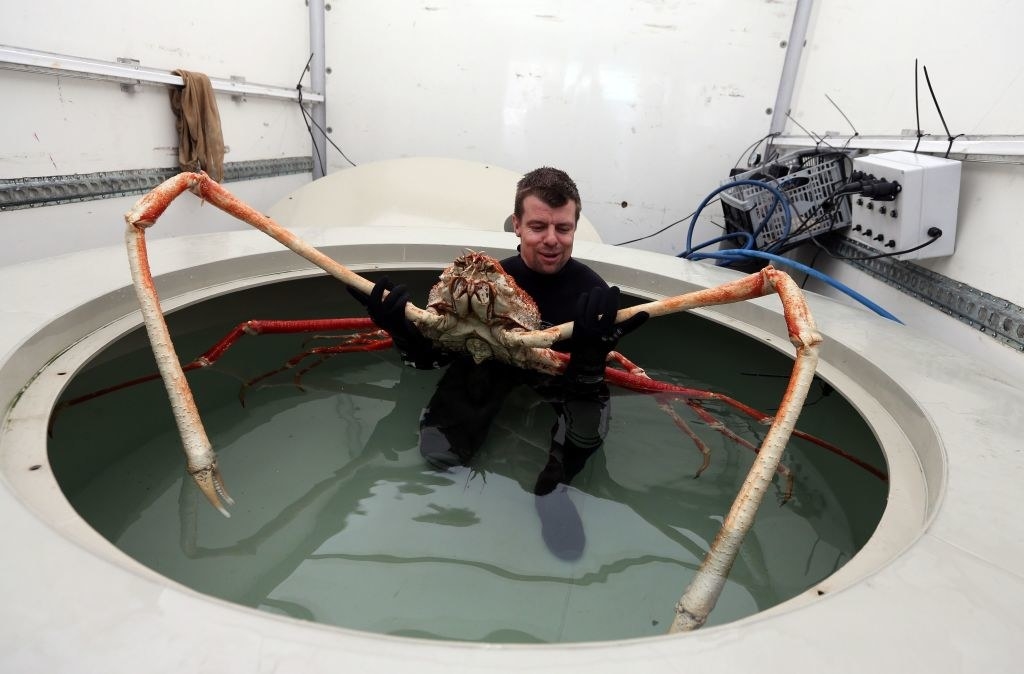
{"x":447,"y":193}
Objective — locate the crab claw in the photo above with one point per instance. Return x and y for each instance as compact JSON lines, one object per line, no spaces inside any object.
{"x":209,"y":481}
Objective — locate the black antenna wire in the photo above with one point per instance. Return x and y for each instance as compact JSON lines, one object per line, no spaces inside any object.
{"x":935,"y":100}
{"x":307,"y":117}
{"x":813,"y":135}
{"x":303,"y":73}
{"x":836,"y":106}
{"x":855,"y":132}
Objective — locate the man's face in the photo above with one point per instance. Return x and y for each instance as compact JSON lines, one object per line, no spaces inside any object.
{"x":545,"y":234}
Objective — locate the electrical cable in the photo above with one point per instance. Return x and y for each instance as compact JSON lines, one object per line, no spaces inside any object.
{"x":663,"y":229}
{"x":816,"y":153}
{"x":779,"y":196}
{"x":747,"y":252}
{"x":809,"y":221}
{"x":327,"y":137}
{"x":811,"y":272}
{"x":307,"y":117}
{"x":750,"y":149}
{"x":942,"y":119}
{"x":810,"y":264}
{"x":727,"y":257}
{"x":934,"y":232}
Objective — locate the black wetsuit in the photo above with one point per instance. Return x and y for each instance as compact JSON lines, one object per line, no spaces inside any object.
{"x":555,"y":294}
{"x":455,"y":424}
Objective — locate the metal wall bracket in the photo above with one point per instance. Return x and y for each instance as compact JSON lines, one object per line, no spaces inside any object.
{"x":997,"y":317}
{"x":238,"y":98}
{"x":53,"y":190}
{"x":130,"y":87}
{"x":130,"y":72}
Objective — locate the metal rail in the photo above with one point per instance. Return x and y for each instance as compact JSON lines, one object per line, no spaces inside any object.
{"x":29,"y":60}
{"x":791,"y":65}
{"x":54,"y":190}
{"x":971,"y":148}
{"x":994,"y":316}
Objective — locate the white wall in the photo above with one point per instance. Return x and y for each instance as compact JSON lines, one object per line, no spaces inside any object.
{"x":861,"y":54}
{"x":53,"y":126}
{"x":647,"y":103}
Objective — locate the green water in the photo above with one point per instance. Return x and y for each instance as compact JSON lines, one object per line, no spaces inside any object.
{"x":337,"y":520}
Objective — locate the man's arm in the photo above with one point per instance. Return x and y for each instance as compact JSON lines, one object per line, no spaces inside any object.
{"x":595,"y":335}
{"x":388,"y":313}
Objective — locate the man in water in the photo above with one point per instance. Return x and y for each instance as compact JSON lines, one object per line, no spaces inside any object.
{"x":454,"y":425}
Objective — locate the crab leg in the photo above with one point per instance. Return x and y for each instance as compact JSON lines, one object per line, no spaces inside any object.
{"x":758,"y":284}
{"x":152,"y":205}
{"x":377,"y":340}
{"x":201,"y":460}
{"x":702,"y":594}
{"x":699,"y":599}
{"x":374,"y":340}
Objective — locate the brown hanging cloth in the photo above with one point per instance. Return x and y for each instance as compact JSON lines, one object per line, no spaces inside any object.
{"x":200,"y":139}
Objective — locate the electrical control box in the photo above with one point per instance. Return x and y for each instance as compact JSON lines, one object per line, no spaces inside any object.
{"x":927,"y":200}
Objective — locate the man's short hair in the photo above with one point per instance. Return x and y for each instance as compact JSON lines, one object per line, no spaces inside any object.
{"x":552,"y":186}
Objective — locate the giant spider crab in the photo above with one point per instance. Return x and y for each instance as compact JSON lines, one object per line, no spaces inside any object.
{"x":476,"y":307}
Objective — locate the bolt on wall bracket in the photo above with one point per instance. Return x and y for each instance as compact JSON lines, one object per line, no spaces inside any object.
{"x":130,"y":87}
{"x":238,"y":98}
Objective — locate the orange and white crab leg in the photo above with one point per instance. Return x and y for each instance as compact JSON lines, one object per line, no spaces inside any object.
{"x":152,"y":205}
{"x":758,"y":284}
{"x":202,"y":463}
{"x":699,"y":599}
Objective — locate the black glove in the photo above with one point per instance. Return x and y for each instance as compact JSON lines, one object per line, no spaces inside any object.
{"x":388,"y":313}
{"x":595,"y":334}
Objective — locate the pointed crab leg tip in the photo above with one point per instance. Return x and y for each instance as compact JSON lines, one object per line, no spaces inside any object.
{"x":219,"y":502}
{"x":210,"y":484}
